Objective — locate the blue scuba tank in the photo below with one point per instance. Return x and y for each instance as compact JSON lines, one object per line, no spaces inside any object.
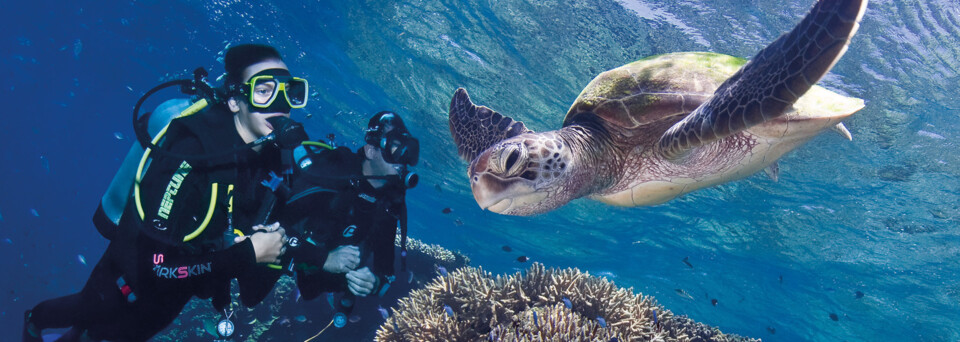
{"x":119,"y":192}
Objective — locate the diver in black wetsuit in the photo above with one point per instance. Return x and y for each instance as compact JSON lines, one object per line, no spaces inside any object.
{"x":348,"y":206}
{"x":190,"y":225}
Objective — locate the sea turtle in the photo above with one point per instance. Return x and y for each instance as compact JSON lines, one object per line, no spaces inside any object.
{"x":657,"y":128}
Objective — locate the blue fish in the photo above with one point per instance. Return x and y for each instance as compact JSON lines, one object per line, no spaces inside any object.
{"x":81,"y":259}
{"x":535,"y":323}
{"x":297,"y":293}
{"x":655,"y":317}
{"x":567,"y":303}
{"x":383,"y":312}
{"x":410,"y":280}
{"x":603,"y":322}
{"x":449,"y":310}
{"x":442,"y":270}
{"x":301,"y":318}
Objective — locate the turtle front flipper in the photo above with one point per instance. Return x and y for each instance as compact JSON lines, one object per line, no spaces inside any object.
{"x":772,"y":81}
{"x":475,"y":128}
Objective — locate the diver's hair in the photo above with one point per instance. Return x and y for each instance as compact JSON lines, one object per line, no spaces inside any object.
{"x":375,"y":132}
{"x":242,"y":56}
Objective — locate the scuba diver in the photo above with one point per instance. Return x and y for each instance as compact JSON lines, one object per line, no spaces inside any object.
{"x":347,"y":207}
{"x":194,"y":218}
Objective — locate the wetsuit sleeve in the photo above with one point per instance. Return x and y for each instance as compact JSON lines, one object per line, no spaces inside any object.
{"x":382,"y":244}
{"x":170,"y":264}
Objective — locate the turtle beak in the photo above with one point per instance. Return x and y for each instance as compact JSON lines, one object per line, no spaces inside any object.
{"x":510,"y":196}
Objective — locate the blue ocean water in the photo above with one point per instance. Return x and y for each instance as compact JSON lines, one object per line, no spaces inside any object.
{"x":878,"y":215}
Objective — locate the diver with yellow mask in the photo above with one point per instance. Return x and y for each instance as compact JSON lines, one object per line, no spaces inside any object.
{"x":195,"y":211}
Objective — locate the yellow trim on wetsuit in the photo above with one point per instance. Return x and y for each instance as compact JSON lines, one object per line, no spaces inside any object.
{"x":206,"y":220}
{"x":193,"y":109}
{"x":316,"y":143}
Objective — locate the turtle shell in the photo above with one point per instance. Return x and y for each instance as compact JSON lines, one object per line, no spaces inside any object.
{"x":659,"y":89}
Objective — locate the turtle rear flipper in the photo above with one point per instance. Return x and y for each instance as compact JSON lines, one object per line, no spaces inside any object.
{"x":475,"y":128}
{"x":776,"y":77}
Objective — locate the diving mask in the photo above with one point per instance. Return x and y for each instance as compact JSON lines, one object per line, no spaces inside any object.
{"x":400,"y":148}
{"x":387,"y":132}
{"x":264,"y":88}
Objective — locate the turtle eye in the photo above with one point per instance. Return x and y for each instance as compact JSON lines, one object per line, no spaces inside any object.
{"x":511,"y":164}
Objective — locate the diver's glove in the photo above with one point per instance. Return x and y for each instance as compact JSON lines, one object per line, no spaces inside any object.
{"x":342,"y":259}
{"x":361,"y":282}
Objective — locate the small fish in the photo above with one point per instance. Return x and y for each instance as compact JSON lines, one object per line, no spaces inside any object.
{"x":297,"y":294}
{"x":772,"y":330}
{"x":331,"y":301}
{"x":301,"y":318}
{"x":354,"y":318}
{"x":858,"y":294}
{"x":506,"y":248}
{"x":118,"y":135}
{"x":449,"y":310}
{"x":535,"y":322}
{"x":130,"y":88}
{"x":34,"y":212}
{"x":383,"y":312}
{"x":522,"y":258}
{"x":656,"y":322}
{"x":309,"y":115}
{"x":714,"y":302}
{"x":683,"y":293}
{"x":781,"y":279}
{"x":834,"y":317}
{"x":458,"y":222}
{"x":603,"y":322}
{"x":442,"y":270}
{"x":686,"y":260}
{"x":447,"y":210}
{"x":81,"y":259}
{"x":396,"y":328}
{"x":567,"y":303}
{"x":254,"y":321}
{"x":410,"y":279}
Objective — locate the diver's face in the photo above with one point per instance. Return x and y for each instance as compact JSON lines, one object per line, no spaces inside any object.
{"x":380,"y":167}
{"x":253,"y":125}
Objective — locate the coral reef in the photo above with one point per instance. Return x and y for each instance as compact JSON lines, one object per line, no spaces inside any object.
{"x":281,"y":317}
{"x":541,"y":305}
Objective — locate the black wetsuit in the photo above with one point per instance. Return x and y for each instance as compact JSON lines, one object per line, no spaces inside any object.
{"x":333,"y":206}
{"x":150,"y":255}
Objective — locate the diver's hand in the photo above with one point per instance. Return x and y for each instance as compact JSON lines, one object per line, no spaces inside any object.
{"x":342,"y":259}
{"x":268,"y":242}
{"x":361,"y":282}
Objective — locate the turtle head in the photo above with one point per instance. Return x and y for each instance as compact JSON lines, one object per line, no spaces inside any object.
{"x":524,"y":175}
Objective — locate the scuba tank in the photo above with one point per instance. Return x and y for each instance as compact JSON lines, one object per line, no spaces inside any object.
{"x":114,"y":200}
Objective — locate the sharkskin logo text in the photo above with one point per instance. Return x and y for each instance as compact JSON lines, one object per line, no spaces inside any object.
{"x":182,"y":271}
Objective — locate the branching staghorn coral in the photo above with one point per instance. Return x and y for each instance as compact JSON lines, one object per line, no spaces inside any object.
{"x":541,"y":305}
